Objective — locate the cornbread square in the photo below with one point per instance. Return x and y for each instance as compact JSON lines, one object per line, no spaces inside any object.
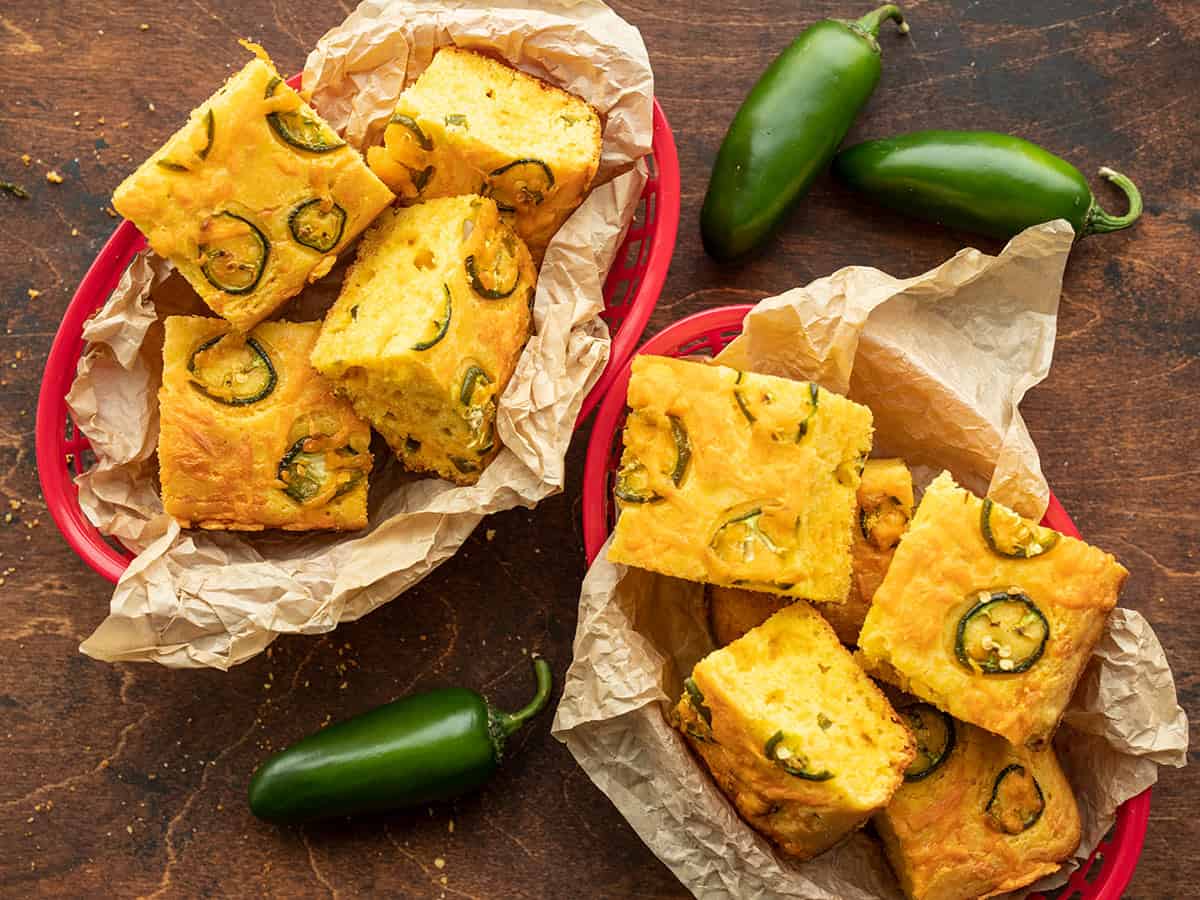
{"x":993,"y":628}
{"x":992,"y":817}
{"x":428,"y":329}
{"x":793,"y":732}
{"x":253,"y":198}
{"x":472,"y":124}
{"x":739,"y":479}
{"x":251,"y":437}
{"x":885,"y":504}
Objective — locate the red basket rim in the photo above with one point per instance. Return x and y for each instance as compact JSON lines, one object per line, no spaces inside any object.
{"x":58,"y":487}
{"x":1120,"y":855}
{"x":662,"y":248}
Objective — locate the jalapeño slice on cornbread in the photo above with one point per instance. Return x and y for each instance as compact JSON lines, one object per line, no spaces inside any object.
{"x":885,"y":503}
{"x":253,"y":198}
{"x":251,"y":436}
{"x":998,"y":639}
{"x":739,"y":479}
{"x":472,"y":124}
{"x":988,"y":818}
{"x":802,"y":742}
{"x":428,"y":329}
{"x":934,"y":733}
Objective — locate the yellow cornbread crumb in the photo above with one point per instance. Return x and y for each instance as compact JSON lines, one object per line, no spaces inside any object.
{"x":795,"y":734}
{"x":427,"y":331}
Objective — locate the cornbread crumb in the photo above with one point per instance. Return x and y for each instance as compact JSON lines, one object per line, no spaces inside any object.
{"x":53,"y":177}
{"x":753,"y":711}
{"x":440,"y":863}
{"x":33,"y":293}
{"x":433,"y":400}
{"x":26,"y":160}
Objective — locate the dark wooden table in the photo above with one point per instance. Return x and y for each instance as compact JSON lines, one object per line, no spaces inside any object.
{"x":129,"y":780}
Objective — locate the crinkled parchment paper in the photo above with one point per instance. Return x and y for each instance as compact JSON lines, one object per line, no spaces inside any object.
{"x":194,"y":598}
{"x":942,"y":359}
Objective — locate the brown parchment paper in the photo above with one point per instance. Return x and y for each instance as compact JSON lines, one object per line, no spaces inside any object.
{"x":943,"y":360}
{"x":194,"y":598}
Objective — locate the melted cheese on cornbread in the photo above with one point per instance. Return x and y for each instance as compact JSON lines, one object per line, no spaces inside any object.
{"x":938,"y":836}
{"x":467,"y":117}
{"x":220,"y":465}
{"x":758,"y":505}
{"x":179,"y":196}
{"x":940,"y":569}
{"x":885,"y":502}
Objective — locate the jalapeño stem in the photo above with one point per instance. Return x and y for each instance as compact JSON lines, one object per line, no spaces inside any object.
{"x":1100,"y":222}
{"x":871,"y":22}
{"x":507,"y":723}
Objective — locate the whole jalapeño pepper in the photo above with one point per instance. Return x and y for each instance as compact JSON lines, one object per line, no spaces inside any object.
{"x":415,"y":750}
{"x":981,"y":181}
{"x":788,"y":128}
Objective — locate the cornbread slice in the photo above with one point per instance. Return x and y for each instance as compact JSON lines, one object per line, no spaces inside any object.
{"x":428,"y":329}
{"x":794,"y":733}
{"x":988,"y":616}
{"x":885,"y":503}
{"x":472,"y":124}
{"x":253,"y":198}
{"x":739,"y":479}
{"x":990,"y":818}
{"x":251,"y":437}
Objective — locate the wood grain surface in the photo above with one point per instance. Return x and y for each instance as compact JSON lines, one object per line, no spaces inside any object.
{"x":129,"y":780}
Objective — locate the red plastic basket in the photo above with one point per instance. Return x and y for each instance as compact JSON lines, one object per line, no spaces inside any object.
{"x":630,"y":292}
{"x":1108,"y":871}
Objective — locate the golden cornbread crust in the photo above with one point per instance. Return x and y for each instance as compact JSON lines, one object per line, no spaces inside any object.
{"x":939,"y":572}
{"x":222,"y":466}
{"x":415,"y":346}
{"x":473,"y":124}
{"x":734,"y":611}
{"x":743,"y":481}
{"x":941,"y":841}
{"x":245,"y":181}
{"x":789,"y":689}
{"x":885,"y":502}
